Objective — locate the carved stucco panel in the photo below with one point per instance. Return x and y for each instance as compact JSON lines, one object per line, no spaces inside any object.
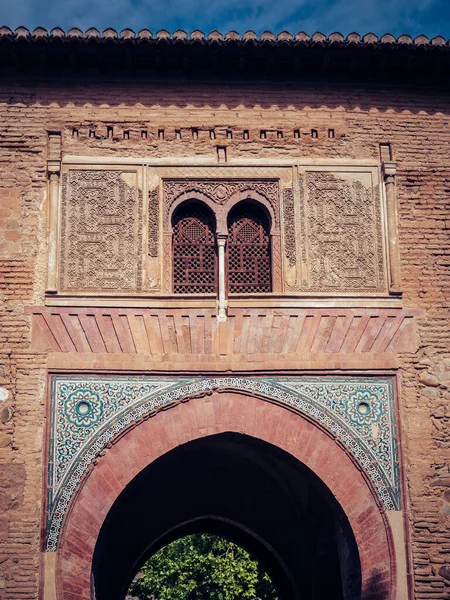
{"x":333,"y":235}
{"x":153,"y":278}
{"x":277,"y":273}
{"x":101,"y":231}
{"x":290,"y":238}
{"x":167,"y":263}
{"x":226,"y":172}
{"x":340,"y":248}
{"x":153,"y":223}
{"x":220,"y":191}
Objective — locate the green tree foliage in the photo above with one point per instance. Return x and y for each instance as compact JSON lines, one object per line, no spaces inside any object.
{"x":202,"y":567}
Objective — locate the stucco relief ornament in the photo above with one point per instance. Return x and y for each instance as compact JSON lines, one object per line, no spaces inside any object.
{"x":83,"y":408}
{"x":221,"y":190}
{"x":221,"y":193}
{"x":364,"y":408}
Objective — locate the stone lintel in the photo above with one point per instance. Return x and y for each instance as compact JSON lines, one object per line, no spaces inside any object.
{"x":318,"y":338}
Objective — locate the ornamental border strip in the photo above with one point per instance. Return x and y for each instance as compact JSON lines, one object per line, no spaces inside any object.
{"x":281,"y":389}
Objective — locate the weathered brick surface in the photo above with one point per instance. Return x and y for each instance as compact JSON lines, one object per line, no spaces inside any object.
{"x":414,"y":121}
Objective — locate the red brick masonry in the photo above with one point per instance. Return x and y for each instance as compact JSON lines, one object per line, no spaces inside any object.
{"x":223,"y":412}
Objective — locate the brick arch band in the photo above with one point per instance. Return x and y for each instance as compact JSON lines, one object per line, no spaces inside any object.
{"x":215,"y":413}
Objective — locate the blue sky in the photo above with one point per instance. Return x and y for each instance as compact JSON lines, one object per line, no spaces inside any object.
{"x":431,"y":17}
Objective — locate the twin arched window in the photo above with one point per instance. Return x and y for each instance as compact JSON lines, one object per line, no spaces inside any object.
{"x":248,"y":264}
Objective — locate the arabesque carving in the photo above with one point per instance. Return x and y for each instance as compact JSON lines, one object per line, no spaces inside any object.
{"x":277,"y":277}
{"x":343,"y":234}
{"x":289,"y":227}
{"x":101,"y":232}
{"x":220,"y":191}
{"x":153,"y":223}
{"x":167,"y":264}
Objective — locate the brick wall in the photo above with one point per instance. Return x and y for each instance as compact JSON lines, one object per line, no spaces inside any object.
{"x":156,"y":120}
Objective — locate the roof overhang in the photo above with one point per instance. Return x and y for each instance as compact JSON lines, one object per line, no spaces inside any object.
{"x":230,"y":57}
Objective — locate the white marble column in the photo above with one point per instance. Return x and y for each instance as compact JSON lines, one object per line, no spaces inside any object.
{"x":223,"y":304}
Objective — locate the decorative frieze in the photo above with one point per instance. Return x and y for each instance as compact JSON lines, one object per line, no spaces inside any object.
{"x":88,"y":413}
{"x":328,"y":227}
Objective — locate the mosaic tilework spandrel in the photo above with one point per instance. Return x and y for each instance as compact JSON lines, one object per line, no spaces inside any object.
{"x":88,"y":412}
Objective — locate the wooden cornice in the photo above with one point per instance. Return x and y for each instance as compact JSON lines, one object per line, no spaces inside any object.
{"x":215,"y":56}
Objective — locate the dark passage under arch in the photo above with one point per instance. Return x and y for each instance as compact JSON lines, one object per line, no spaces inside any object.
{"x":247,"y":490}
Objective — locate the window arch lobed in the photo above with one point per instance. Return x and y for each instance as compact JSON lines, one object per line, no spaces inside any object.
{"x":194,"y":249}
{"x":249,"y":253}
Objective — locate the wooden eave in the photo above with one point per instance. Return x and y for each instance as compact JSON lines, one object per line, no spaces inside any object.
{"x":230,"y":57}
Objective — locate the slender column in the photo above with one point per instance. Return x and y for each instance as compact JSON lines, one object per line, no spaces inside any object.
{"x":53,"y":215}
{"x":389,"y":171}
{"x":223,"y":304}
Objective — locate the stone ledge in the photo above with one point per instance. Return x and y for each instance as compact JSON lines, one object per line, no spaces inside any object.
{"x":250,"y":335}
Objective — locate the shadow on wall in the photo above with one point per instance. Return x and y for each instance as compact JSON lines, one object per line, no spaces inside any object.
{"x":376,"y":588}
{"x":92,"y":92}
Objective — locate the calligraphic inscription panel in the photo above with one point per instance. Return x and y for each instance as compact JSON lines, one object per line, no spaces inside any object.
{"x":101,"y":231}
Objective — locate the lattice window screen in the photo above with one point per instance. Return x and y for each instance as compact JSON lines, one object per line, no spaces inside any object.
{"x":249,"y":264}
{"x":194,"y":251}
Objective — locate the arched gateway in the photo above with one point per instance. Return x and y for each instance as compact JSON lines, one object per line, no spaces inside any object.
{"x":224,"y":307}
{"x":241,"y":462}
